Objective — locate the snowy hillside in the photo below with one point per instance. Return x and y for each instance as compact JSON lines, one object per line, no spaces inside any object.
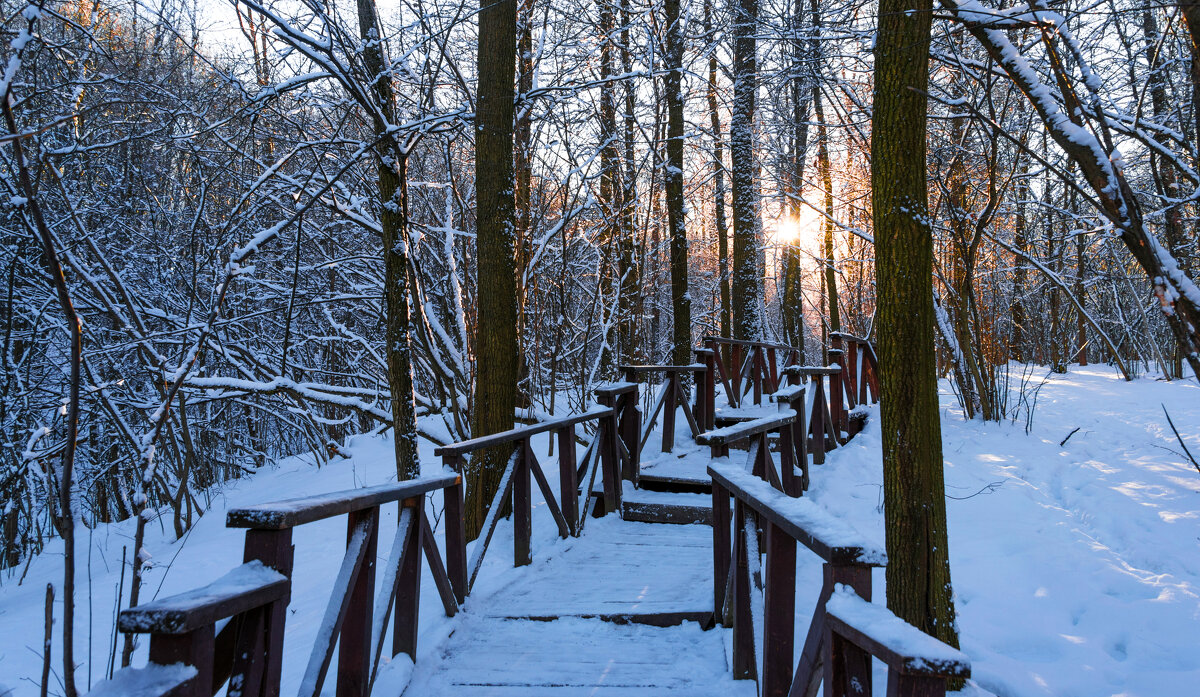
{"x":1076,"y":567}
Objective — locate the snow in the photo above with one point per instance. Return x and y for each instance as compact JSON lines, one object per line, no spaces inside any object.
{"x":150,"y":681}
{"x":1076,"y":568}
{"x":900,"y":637}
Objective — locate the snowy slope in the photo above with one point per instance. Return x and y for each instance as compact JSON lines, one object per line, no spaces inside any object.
{"x":1077,"y":568}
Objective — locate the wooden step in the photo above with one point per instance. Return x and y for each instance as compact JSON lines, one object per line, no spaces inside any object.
{"x":647,"y":506}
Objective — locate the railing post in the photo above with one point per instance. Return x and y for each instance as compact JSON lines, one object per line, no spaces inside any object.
{"x":779,"y":610}
{"x":847,"y":667}
{"x":851,"y":370}
{"x":720,"y":512}
{"x":456,"y":531}
{"x":195,"y":648}
{"x":837,"y":402}
{"x":408,"y":582}
{"x":858,"y":577}
{"x":817,"y":426}
{"x":773,"y":369}
{"x":710,"y":390}
{"x":758,"y":368}
{"x":735,"y":373}
{"x":354,"y":652}
{"x":631,"y":429}
{"x":669,"y":404}
{"x":743,"y":623}
{"x":274,"y":549}
{"x":568,"y":486}
{"x":522,"y":503}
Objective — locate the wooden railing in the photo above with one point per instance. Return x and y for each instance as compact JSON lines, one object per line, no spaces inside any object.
{"x":749,"y":367}
{"x":764,"y":648}
{"x":247,"y":651}
{"x":755,"y":593}
{"x":671,"y":395}
{"x":918,"y":664}
{"x":605,"y":455}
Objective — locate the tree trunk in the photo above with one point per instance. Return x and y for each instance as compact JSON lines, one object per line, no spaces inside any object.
{"x":496,"y":328}
{"x":831,"y":294}
{"x":918,"y":570}
{"x":747,"y":324}
{"x":681,"y":302}
{"x":391,"y":172}
{"x":722,"y":228}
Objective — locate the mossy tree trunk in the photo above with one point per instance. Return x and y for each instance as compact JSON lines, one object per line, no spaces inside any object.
{"x":918,"y":570}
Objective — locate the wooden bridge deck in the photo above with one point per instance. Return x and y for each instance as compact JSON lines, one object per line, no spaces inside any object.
{"x":604,"y":592}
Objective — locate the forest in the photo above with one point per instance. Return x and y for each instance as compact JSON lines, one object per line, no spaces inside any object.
{"x":233,"y":232}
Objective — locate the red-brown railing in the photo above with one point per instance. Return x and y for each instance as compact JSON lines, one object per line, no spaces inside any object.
{"x":749,"y":367}
{"x":190,"y":657}
{"x":755,"y":594}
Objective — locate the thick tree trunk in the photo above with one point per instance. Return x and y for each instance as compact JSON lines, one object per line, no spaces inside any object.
{"x":496,"y":331}
{"x":918,"y":570}
{"x":747,"y":324}
{"x":681,"y":302}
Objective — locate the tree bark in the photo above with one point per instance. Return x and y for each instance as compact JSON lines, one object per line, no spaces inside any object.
{"x":681,"y":302}
{"x":747,"y":324}
{"x":918,"y":570}
{"x":496,"y":328}
{"x":391,"y":165}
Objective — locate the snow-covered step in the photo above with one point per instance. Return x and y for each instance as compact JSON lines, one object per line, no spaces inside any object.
{"x":648,"y":506}
{"x":523,"y":658}
{"x":617,"y":570}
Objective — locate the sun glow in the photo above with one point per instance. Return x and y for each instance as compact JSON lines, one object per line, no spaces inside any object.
{"x":787,"y":230}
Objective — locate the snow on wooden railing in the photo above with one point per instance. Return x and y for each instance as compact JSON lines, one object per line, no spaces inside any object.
{"x":190,"y":657}
{"x":760,"y":602}
{"x":918,"y":664}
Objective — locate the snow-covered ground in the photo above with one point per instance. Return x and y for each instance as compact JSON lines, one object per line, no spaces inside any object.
{"x":1076,"y":567}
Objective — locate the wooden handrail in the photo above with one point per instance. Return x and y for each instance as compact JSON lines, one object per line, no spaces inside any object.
{"x":637,"y":369}
{"x":828,"y":536}
{"x":245,"y":588}
{"x":744,"y":342}
{"x":289,"y":513}
{"x":767,"y":652}
{"x":857,"y":629}
{"x":743,"y":430}
{"x":520,"y":433}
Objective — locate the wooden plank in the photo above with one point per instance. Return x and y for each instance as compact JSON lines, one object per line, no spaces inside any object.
{"x":746,"y":429}
{"x":615,"y":568}
{"x":335,"y":611}
{"x":354,"y":650}
{"x":779,"y":630}
{"x":900,"y":645}
{"x":298,"y":511}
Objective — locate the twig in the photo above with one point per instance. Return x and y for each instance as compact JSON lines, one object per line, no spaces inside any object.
{"x":1063,"y":442}
{"x":1180,"y":438}
{"x":47,"y":644}
{"x":987,"y":489}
